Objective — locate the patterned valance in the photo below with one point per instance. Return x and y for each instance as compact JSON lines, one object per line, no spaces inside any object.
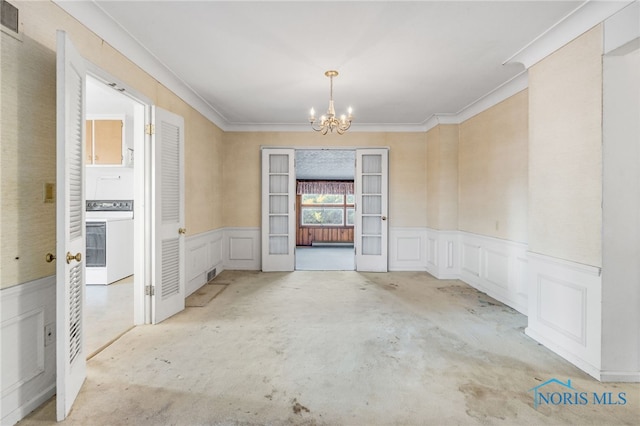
{"x":324,"y":187}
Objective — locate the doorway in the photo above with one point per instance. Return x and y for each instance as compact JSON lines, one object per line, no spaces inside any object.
{"x":280,"y":211}
{"x":111,"y":130}
{"x":325,"y":210}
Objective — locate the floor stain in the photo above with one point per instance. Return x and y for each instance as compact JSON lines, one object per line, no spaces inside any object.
{"x":299,"y":408}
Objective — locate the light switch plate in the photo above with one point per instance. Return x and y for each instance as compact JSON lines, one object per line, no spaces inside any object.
{"x":49,"y":192}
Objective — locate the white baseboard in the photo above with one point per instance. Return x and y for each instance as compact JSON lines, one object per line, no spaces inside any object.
{"x":565,"y":309}
{"x":28,"y":366}
{"x":204,"y":252}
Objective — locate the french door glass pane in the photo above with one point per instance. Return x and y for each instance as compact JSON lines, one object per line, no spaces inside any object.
{"x":278,"y":224}
{"x":371,"y":204}
{"x":371,"y":245}
{"x":372,"y":163}
{"x":371,"y":225}
{"x":278,"y":163}
{"x":278,"y":184}
{"x":371,"y":184}
{"x":278,"y":204}
{"x":278,"y":245}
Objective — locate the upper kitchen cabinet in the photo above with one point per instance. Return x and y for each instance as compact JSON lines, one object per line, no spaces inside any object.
{"x":105,"y":142}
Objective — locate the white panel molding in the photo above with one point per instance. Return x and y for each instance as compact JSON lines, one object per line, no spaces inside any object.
{"x":495,"y":266}
{"x":203,"y":253}
{"x":28,"y":366}
{"x":407,"y":249}
{"x":565,"y":310}
{"x":241,"y":249}
{"x":443,"y":254}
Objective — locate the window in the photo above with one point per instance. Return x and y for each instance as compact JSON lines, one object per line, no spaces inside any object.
{"x":327,"y":210}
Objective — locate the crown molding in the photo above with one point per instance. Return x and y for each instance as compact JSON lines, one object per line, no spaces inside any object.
{"x":92,"y":16}
{"x":305,"y":128}
{"x":583,"y":18}
{"x":622,"y":28}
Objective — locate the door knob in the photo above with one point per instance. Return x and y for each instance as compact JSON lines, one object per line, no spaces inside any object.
{"x":384,"y":218}
{"x":50,"y":257}
{"x":77,"y":257}
{"x":182,"y":231}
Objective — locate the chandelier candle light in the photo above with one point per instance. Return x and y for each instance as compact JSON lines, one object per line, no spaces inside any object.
{"x":329,"y":122}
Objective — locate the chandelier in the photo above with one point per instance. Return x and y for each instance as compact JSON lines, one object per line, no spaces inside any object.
{"x":329,"y":122}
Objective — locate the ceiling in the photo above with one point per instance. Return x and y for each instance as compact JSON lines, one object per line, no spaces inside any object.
{"x":262,"y":64}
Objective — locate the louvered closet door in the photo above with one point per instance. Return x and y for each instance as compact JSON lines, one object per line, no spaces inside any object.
{"x":372,"y":186}
{"x":168,"y":215}
{"x":70,"y":225}
{"x":278,"y":209}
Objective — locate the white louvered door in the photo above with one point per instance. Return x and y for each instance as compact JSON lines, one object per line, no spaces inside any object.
{"x":278,"y":209}
{"x":372,"y":186}
{"x":168,"y":238}
{"x":70,"y":225}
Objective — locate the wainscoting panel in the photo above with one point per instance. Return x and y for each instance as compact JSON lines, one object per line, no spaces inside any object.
{"x":28,"y":362}
{"x":565,"y":310}
{"x":203,"y":252}
{"x":241,"y":249}
{"x":496,"y":267}
{"x":443,"y":254}
{"x":407,"y":249}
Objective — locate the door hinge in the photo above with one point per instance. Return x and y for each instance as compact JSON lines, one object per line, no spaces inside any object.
{"x":150,"y":129}
{"x":149,"y":290}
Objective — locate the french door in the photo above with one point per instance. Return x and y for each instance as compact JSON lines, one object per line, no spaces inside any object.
{"x":278,"y":209}
{"x":371,"y":229}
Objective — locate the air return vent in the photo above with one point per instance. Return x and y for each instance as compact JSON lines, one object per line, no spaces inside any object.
{"x":211,"y":274}
{"x":9,"y":16}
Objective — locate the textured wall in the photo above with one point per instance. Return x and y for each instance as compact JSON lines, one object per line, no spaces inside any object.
{"x":27,"y":225}
{"x":442,"y":177}
{"x":565,"y":152}
{"x":492,"y":171}
{"x":407,"y":171}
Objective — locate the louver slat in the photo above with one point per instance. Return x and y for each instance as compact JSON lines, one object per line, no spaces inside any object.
{"x":170,"y":268}
{"x":170,"y":173}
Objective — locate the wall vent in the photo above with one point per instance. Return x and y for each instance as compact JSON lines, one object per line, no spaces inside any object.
{"x":211,"y":274}
{"x":9,"y":15}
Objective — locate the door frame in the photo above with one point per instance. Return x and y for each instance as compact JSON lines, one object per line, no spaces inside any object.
{"x":142,"y":191}
{"x":329,"y":148}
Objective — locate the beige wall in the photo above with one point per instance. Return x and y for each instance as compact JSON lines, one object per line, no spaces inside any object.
{"x":407,"y":171}
{"x":27,"y":225}
{"x":565,"y":153}
{"x":492,"y":171}
{"x":442,"y":177}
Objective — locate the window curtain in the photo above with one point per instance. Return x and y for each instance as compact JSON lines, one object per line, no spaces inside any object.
{"x":324,"y":187}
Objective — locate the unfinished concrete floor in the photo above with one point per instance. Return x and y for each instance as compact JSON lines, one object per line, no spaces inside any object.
{"x":338,"y":348}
